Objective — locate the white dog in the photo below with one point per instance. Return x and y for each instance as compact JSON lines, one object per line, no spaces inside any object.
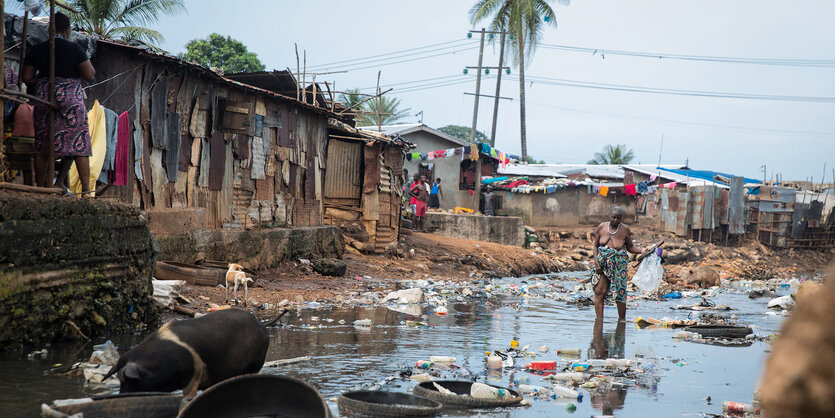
{"x":236,"y":277}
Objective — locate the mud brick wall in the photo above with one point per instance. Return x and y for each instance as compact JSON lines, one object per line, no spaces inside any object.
{"x":71,"y":267}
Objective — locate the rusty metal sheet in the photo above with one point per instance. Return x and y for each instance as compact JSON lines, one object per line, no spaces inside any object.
{"x":159,"y":109}
{"x":237,"y":117}
{"x":343,"y":178}
{"x":736,"y":207}
{"x":185,"y":152}
{"x":800,"y":219}
{"x":702,"y":198}
{"x":217,"y":164}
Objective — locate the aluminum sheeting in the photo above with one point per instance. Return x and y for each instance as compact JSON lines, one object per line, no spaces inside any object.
{"x":736,"y":207}
{"x":344,"y":175}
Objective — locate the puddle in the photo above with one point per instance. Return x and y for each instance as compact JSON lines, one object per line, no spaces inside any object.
{"x":343,"y":357}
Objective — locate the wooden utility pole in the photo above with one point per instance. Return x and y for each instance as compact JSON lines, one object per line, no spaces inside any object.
{"x":2,"y":100}
{"x":498,"y":91}
{"x":477,"y":186}
{"x":50,"y":164}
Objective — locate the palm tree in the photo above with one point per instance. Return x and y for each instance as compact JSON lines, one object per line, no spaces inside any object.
{"x":525,"y":20}
{"x":617,"y":155}
{"x":375,"y":112}
{"x":122,"y":19}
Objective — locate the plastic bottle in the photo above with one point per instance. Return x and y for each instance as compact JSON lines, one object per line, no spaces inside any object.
{"x":739,"y":407}
{"x":596,"y":362}
{"x":542,"y":365}
{"x":423,"y":364}
{"x":614,"y":363}
{"x":442,"y":359}
{"x":568,"y":352}
{"x":482,"y":391}
{"x":532,"y":389}
{"x":672,"y":295}
{"x":566,"y":376}
{"x":579,"y":367}
{"x":494,"y":362}
{"x":421,"y":377}
{"x":514,"y":344}
{"x":362,"y":323}
{"x":566,"y":392}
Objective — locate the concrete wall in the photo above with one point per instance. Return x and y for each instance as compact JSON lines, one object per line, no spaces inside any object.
{"x":499,"y":229}
{"x":448,"y":169}
{"x":567,"y":207}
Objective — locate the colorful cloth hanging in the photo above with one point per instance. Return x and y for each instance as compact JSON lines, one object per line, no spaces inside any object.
{"x":629,"y":190}
{"x":604,"y":190}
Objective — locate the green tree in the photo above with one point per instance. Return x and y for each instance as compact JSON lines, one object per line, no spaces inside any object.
{"x":377,"y":111}
{"x":532,"y":160}
{"x":222,"y":52}
{"x":351,"y":99}
{"x":617,"y":154}
{"x":463,"y":133}
{"x":525,"y":20}
{"x":122,"y":19}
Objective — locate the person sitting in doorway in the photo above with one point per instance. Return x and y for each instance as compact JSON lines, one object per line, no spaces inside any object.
{"x":434,"y":193}
{"x":72,"y":134}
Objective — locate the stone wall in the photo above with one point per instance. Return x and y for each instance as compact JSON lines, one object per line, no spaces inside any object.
{"x":505,"y":230}
{"x":258,"y":249}
{"x":71,"y":268}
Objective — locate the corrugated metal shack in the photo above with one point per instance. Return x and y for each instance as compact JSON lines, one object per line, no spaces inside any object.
{"x":249,"y":156}
{"x":364,"y":186}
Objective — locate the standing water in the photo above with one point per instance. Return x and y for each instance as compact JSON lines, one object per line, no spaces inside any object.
{"x":678,"y":375}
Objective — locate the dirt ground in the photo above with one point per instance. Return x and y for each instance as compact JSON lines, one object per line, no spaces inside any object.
{"x":422,"y":256}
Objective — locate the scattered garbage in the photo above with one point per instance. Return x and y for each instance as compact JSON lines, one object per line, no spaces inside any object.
{"x":482,"y":391}
{"x":414,"y":295}
{"x":362,"y":323}
{"x":783,"y":302}
{"x":739,"y":408}
{"x":441,"y":359}
{"x":649,"y":274}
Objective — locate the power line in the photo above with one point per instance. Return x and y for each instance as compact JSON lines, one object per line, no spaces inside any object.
{"x":432,"y":86}
{"x":735,"y":60}
{"x":391,"y":55}
{"x":414,"y":81}
{"x":674,"y":122}
{"x":654,"y":90}
{"x":383,"y":64}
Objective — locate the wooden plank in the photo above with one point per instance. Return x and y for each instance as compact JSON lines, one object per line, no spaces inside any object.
{"x":217,"y":164}
{"x":191,"y":185}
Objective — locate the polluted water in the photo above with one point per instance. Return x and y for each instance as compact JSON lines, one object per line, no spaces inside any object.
{"x":623,"y":370}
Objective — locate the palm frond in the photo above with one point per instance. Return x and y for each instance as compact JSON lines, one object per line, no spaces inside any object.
{"x":136,"y":33}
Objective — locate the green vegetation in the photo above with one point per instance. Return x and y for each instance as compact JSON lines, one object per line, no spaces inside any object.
{"x":378,"y":111}
{"x":222,"y":52}
{"x":122,"y":19}
{"x":617,"y":154}
{"x":463,"y":133}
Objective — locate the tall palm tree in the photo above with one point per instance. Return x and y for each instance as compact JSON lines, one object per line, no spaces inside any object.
{"x":378,"y":111}
{"x":617,"y":155}
{"x":525,"y":20}
{"x":123,"y":19}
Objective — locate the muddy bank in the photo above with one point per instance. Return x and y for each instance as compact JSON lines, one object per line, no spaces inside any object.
{"x":72,"y":269}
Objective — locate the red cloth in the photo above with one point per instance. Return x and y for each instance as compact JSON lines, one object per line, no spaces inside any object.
{"x":629,"y":189}
{"x":420,"y":209}
{"x":517,"y":183}
{"x":24,"y":122}
{"x":121,"y":166}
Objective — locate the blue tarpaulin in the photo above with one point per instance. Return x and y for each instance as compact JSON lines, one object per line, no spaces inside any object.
{"x":706,"y":175}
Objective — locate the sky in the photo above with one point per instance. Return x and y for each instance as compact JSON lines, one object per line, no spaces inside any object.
{"x":793,"y":138}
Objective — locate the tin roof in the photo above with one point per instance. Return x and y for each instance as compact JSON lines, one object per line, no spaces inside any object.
{"x":604,"y":171}
{"x":407,"y":128}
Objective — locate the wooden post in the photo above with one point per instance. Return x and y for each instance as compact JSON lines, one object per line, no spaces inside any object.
{"x":50,"y":164}
{"x":2,"y":99}
{"x":379,"y":102}
{"x":23,"y":37}
{"x":298,"y":70}
{"x":304,"y":76}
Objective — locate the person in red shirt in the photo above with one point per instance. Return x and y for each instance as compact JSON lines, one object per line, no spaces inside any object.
{"x":420,"y":195}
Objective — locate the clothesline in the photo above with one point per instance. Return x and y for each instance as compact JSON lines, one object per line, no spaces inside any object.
{"x":470,"y":152}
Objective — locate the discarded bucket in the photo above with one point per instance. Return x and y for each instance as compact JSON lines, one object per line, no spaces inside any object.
{"x":542,"y":365}
{"x":387,"y":404}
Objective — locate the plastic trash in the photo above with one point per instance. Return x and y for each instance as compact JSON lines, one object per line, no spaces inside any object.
{"x":649,"y":274}
{"x":514,"y":344}
{"x":421,"y":377}
{"x":739,"y":408}
{"x":442,"y":359}
{"x":580,"y":367}
{"x":494,"y":362}
{"x":542,"y":365}
{"x":362,"y":323}
{"x":596,"y":362}
{"x":614,"y":363}
{"x":442,"y":389}
{"x":566,"y":377}
{"x":784,"y":302}
{"x":423,"y":364}
{"x":482,"y":391}
{"x":533,"y":389}
{"x":569,"y":352}
{"x":672,"y":295}
{"x":566,"y":392}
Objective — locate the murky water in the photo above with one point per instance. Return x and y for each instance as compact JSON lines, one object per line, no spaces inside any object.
{"x":344,"y":357}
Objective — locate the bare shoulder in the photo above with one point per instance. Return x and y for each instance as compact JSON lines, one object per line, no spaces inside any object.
{"x":627,"y":229}
{"x":601,"y":225}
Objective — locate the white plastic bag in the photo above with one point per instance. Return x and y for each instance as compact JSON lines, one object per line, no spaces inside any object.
{"x":649,"y":274}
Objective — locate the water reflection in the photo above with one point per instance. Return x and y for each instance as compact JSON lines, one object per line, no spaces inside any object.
{"x":603,"y":346}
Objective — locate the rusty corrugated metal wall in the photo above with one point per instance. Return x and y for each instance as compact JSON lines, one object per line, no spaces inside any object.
{"x":343,"y":182}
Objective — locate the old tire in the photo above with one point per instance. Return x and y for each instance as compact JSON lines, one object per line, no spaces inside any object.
{"x":720,"y":331}
{"x":255,"y":395}
{"x":387,"y":404}
{"x":428,"y":390}
{"x":190,"y":273}
{"x":130,"y":405}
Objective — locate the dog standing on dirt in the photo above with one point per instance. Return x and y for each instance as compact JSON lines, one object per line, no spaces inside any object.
{"x":194,"y":353}
{"x":236,"y":276}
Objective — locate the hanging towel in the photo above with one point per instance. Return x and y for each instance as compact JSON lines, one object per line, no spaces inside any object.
{"x":604,"y":190}
{"x":111,"y":120}
{"x":95,"y":120}
{"x":121,"y":163}
{"x":652,"y":177}
{"x":629,"y":189}
{"x":642,"y":187}
{"x":473,"y":152}
{"x":449,"y":153}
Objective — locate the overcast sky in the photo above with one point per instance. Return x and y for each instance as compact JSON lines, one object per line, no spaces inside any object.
{"x":568,"y":124}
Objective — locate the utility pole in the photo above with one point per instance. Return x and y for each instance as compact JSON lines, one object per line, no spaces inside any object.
{"x":477,"y":186}
{"x":498,"y":90}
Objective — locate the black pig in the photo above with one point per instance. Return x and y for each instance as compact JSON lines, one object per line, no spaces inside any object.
{"x":194,"y":353}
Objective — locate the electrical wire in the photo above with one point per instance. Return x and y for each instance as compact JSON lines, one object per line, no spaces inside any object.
{"x":382,"y":63}
{"x":735,"y":60}
{"x":654,"y":90}
{"x":390,"y":55}
{"x":412,"y":82}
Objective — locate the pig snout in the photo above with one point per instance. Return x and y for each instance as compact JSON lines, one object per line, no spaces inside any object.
{"x":194,"y":353}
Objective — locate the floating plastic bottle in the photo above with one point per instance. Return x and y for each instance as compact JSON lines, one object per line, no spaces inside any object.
{"x":533,"y":389}
{"x":614,"y":363}
{"x":596,"y":362}
{"x":482,"y":391}
{"x":442,"y":359}
{"x":423,"y":364}
{"x":362,"y":323}
{"x":579,"y":367}
{"x":421,"y":377}
{"x":542,"y":365}
{"x":566,"y":376}
{"x":494,"y":362}
{"x":566,"y":392}
{"x":739,"y":407}
{"x":568,"y":352}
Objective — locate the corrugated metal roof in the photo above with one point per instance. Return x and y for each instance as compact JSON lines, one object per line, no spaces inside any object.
{"x":407,"y":128}
{"x":610,"y":171}
{"x":671,"y":176}
{"x":706,"y":175}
